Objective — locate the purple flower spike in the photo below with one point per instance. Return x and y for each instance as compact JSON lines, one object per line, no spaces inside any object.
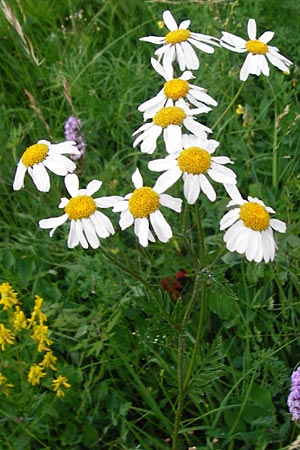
{"x":73,"y":133}
{"x":294,"y":396}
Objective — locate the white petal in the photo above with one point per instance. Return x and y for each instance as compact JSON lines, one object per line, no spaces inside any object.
{"x":167,"y":179}
{"x":172,"y":137}
{"x":197,"y":128}
{"x":234,"y":194}
{"x":184,"y":24}
{"x":263,"y":64}
{"x":266,"y":37}
{"x":244,"y":73}
{"x":40,"y":177}
{"x":102,"y":224}
{"x":169,"y":20}
{"x":167,"y":75}
{"x":90,"y":233}
{"x":126,"y":220}
{"x":251,"y":29}
{"x":19,"y":176}
{"x":222,"y":176}
{"x":276,"y":60}
{"x":137,"y":179}
{"x":60,"y":165}
{"x":231,"y":235}
{"x":93,"y":186}
{"x":252,"y":246}
{"x":53,"y":222}
{"x":278,"y":225}
{"x":180,"y":57}
{"x":73,"y":239}
{"x":202,"y":46}
{"x":160,"y":165}
{"x":153,"y":39}
{"x":207,"y":188}
{"x":169,"y":56}
{"x":229,"y":218}
{"x":191,"y":59}
{"x":72,"y":184}
{"x":160,"y":226}
{"x":191,"y":187}
{"x":79,"y":233}
{"x":171,"y":202}
{"x":63,"y":202}
{"x":108,"y":202}
{"x":142,"y":230}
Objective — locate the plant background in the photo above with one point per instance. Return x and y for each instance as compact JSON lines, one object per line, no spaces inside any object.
{"x":118,"y":353}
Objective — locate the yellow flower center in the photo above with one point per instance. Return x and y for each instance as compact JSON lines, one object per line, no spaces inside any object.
{"x":170,"y":115}
{"x":143,"y":202}
{"x":256,"y":47}
{"x":176,"y":89}
{"x":34,"y":154}
{"x":177,"y":36}
{"x":80,"y":207}
{"x":194,"y":160}
{"x":255,"y":216}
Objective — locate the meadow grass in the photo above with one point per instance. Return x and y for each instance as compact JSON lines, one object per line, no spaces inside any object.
{"x":115,"y":331}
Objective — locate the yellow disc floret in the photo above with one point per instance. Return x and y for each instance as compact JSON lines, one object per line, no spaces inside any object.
{"x":34,"y":154}
{"x":177,"y":36}
{"x":170,"y":115}
{"x":256,"y":47}
{"x":255,"y":216}
{"x":80,"y":207}
{"x":194,"y":160}
{"x":176,"y":89}
{"x":143,"y":202}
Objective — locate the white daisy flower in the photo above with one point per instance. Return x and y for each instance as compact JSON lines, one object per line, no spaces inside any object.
{"x":41,"y":156}
{"x":87,"y":223}
{"x":175,"y":89}
{"x":177,"y":43}
{"x":141,"y":209}
{"x":196,"y":165}
{"x":250,"y":227}
{"x":169,"y":121}
{"x":259,"y":52}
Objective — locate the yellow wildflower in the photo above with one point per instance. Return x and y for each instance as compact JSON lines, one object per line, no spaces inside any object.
{"x":39,"y":335}
{"x":35,"y":374}
{"x":240,"y":110}
{"x":58,"y":383}
{"x":19,"y":319}
{"x":160,"y":24}
{"x":49,"y":360}
{"x":8,"y":296}
{"x":4,"y":385}
{"x":6,"y":337}
{"x":37,"y":316}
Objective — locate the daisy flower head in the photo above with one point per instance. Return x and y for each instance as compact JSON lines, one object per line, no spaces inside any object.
{"x":175,"y":89}
{"x":41,"y":156}
{"x":141,"y":209}
{"x":259,"y":52}
{"x":169,"y":121}
{"x":178,"y":43}
{"x":250,"y":227}
{"x":87,"y":224}
{"x":196,"y":165}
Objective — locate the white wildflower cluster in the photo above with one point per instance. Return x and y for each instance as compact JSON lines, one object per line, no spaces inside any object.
{"x":191,"y":153}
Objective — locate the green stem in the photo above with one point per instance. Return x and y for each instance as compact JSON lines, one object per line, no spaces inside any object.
{"x":140,"y":278}
{"x":229,"y":106}
{"x":200,"y":284}
{"x":202,"y":299}
{"x":274,"y":148}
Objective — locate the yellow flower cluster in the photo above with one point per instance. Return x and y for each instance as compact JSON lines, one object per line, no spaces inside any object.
{"x":35,"y":329}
